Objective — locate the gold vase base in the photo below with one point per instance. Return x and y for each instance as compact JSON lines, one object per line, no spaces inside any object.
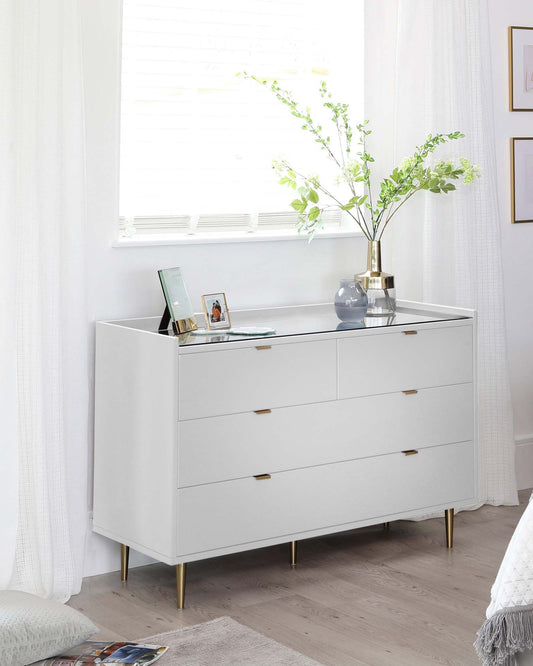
{"x":375,"y":280}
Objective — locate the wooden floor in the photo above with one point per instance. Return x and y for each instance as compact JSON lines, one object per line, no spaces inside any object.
{"x":370,"y":596}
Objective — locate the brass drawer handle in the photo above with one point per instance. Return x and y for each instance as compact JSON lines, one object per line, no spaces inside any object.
{"x":261,"y":477}
{"x":263,"y":411}
{"x":410,"y":332}
{"x":410,"y":452}
{"x":264,"y":347}
{"x":410,"y":392}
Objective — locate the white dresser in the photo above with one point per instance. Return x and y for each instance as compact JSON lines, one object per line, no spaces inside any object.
{"x":211,"y":445}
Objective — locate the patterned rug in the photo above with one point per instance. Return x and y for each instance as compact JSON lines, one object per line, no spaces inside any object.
{"x":224,"y":642}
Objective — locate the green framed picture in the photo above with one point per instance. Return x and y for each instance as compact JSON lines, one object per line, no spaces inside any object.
{"x":177,"y":299}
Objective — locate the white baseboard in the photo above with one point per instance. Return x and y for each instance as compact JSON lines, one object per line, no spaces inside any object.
{"x":524,"y":462}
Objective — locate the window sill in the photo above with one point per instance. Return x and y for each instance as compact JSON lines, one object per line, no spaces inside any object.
{"x":146,"y":240}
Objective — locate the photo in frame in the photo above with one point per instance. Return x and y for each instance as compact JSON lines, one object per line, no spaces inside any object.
{"x":522,"y":179}
{"x":216,"y":311}
{"x":520,"y":69}
{"x":177,"y":300}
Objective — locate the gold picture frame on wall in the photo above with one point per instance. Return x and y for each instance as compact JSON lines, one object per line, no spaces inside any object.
{"x":521,"y":179}
{"x":520,"y":68}
{"x":216,"y":311}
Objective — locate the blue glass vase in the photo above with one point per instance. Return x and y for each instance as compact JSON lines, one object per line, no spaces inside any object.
{"x":351,"y":301}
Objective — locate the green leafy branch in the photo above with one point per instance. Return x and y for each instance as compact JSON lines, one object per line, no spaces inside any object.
{"x":413,"y":174}
{"x":285,"y":97}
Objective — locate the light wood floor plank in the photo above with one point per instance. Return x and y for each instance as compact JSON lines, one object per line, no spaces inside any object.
{"x":362,"y":598}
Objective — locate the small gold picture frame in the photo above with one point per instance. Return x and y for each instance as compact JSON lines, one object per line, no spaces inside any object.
{"x":216,"y":311}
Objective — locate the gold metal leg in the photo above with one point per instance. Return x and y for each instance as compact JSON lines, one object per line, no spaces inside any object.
{"x":181,"y":570}
{"x":294,"y":552}
{"x":386,"y":526}
{"x":448,"y":517}
{"x":124,"y":561}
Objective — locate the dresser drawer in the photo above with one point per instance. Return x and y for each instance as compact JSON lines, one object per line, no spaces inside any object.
{"x":404,"y":360}
{"x":259,"y":377}
{"x":247,"y":510}
{"x":229,"y":447}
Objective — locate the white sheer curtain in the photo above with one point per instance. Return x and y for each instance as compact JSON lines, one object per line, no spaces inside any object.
{"x":44,"y":345}
{"x":434,"y":75}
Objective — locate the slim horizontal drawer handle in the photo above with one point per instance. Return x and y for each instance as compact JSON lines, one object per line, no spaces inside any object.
{"x":264,"y":347}
{"x":263,"y":411}
{"x":410,"y":392}
{"x":410,"y":452}
{"x":410,"y":332}
{"x":261,"y":477}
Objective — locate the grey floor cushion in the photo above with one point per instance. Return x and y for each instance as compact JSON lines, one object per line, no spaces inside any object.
{"x":32,"y":628}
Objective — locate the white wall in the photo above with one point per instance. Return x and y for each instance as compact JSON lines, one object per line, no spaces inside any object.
{"x":517,"y":239}
{"x":124,"y":281}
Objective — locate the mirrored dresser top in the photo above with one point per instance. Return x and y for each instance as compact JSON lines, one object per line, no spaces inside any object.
{"x":290,"y":321}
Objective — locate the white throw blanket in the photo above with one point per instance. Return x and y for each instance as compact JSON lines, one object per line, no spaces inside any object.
{"x":514,"y":583}
{"x":509,"y":625}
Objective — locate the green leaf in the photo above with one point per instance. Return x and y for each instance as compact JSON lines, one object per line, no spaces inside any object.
{"x":313,"y":196}
{"x":297,"y":204}
{"x":314,"y":213}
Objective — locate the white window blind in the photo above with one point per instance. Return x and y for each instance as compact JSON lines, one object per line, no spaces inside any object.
{"x":197,"y":142}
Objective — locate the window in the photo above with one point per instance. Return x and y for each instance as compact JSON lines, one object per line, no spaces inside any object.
{"x":197,"y":141}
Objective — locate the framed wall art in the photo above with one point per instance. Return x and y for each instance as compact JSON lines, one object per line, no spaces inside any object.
{"x":216,"y":311}
{"x":520,"y":69}
{"x":522,"y":179}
